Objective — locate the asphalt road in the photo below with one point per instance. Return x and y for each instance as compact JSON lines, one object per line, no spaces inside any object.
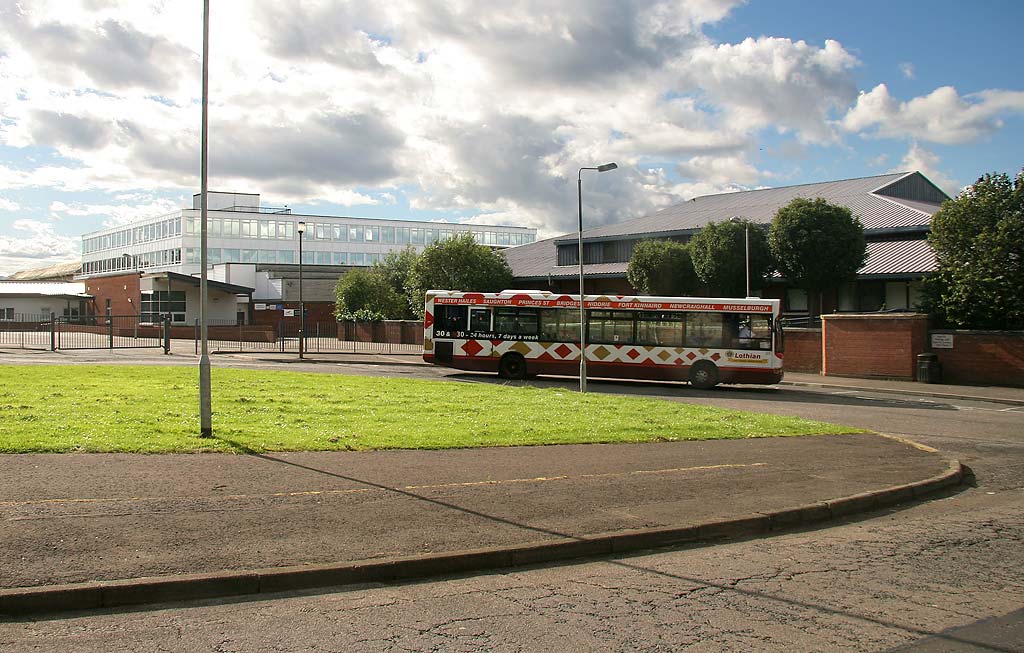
{"x":943,"y":575}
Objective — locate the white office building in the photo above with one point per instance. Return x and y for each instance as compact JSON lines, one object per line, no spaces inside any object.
{"x":242,"y":231}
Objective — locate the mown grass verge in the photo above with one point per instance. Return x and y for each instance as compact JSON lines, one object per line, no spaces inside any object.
{"x":155,"y":410}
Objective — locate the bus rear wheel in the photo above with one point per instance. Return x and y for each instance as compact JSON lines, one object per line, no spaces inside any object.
{"x":512,"y":366}
{"x":704,"y":375}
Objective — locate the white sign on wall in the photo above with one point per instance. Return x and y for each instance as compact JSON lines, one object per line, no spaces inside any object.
{"x":260,"y":307}
{"x":942,"y":341}
{"x":289,"y":312}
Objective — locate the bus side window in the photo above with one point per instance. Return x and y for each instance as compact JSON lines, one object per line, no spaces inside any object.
{"x":516,"y":321}
{"x":705,"y":330}
{"x":751,"y":331}
{"x":450,"y":318}
{"x":479,"y":319}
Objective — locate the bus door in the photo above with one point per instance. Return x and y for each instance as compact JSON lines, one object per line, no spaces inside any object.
{"x":481,"y":331}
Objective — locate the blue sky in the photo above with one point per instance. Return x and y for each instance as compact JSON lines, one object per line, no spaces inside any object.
{"x":451,"y":111}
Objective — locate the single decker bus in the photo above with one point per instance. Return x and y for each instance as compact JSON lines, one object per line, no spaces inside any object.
{"x":520,"y":333}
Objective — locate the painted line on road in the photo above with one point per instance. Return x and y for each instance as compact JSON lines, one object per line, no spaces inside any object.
{"x":543,"y":479}
{"x":916,"y":445}
{"x":314,"y":493}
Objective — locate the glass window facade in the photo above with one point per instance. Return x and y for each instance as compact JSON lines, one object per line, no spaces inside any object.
{"x":157,"y":304}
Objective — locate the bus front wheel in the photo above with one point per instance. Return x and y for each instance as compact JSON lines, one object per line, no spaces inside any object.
{"x":704,"y":375}
{"x":512,"y":366}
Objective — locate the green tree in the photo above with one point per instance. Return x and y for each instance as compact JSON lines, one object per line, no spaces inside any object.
{"x":661,"y":267}
{"x":978,"y":239}
{"x":457,"y":264}
{"x":396,"y":268}
{"x":367,"y":295}
{"x":817,"y":245}
{"x":719,"y":257}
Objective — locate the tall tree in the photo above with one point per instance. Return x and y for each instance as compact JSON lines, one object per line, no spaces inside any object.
{"x":458,"y":263}
{"x":719,"y":257}
{"x":396,"y":268}
{"x":978,"y":239}
{"x":661,"y":267}
{"x":817,"y":245}
{"x":367,"y":295}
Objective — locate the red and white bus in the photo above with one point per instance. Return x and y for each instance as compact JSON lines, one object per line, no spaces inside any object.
{"x":519,"y":333}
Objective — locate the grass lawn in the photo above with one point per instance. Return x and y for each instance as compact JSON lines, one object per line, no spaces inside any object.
{"x":155,"y":410}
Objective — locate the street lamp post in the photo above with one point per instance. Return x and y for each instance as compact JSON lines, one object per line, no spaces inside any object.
{"x":205,"y":411}
{"x":302,"y":306}
{"x":583,"y":317}
{"x":746,"y":246}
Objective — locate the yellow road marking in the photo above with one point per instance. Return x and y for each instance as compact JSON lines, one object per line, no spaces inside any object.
{"x":305,"y":493}
{"x":916,"y":445}
{"x":543,"y":479}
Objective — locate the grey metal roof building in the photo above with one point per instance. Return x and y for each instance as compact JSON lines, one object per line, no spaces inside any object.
{"x":895,"y":209}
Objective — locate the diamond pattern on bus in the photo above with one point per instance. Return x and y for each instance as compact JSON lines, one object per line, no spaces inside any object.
{"x":472,"y":347}
{"x":563,"y":350}
{"x":634,"y":354}
{"x":601,"y":353}
{"x":664,"y":355}
{"x":521,"y":347}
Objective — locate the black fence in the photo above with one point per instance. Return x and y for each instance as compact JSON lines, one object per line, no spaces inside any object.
{"x":89,"y":332}
{"x":320,"y":338}
{"x":25,"y":331}
{"x":131,"y":332}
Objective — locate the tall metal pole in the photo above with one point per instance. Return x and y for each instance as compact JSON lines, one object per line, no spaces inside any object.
{"x":205,"y":416}
{"x":302,"y":305}
{"x":583,"y":320}
{"x":583,"y":316}
{"x":746,"y":246}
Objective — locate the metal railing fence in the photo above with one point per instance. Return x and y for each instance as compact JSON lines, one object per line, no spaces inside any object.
{"x":25,"y":331}
{"x":320,"y":338}
{"x":131,"y":332}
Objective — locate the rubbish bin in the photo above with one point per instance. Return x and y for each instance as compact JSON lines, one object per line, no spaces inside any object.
{"x":929,"y":369}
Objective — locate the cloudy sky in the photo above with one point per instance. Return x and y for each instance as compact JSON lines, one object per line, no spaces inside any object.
{"x":482,"y":112}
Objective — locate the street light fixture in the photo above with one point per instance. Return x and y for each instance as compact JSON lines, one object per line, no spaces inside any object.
{"x":301,"y":228}
{"x":583,"y":317}
{"x":746,"y":245}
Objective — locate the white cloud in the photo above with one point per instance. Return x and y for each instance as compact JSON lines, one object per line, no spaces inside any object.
{"x":907,"y":70}
{"x":927,"y":163}
{"x":776,"y":82}
{"x":37,"y":244}
{"x":115,"y":214}
{"x":720,"y":170}
{"x":942,"y":116}
{"x":448,"y":105}
{"x":8,"y":205}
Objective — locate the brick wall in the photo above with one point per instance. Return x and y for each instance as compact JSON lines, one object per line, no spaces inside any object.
{"x":122,"y":290}
{"x":409,"y":332}
{"x":983,"y":358}
{"x":803,"y":350}
{"x":316,"y":313}
{"x":880,"y":345}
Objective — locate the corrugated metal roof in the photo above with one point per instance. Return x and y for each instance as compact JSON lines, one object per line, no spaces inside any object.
{"x":860,"y":195}
{"x":66,"y":270}
{"x":45,"y":288}
{"x":866,"y":197}
{"x":899,"y":257}
{"x":536,"y":259}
